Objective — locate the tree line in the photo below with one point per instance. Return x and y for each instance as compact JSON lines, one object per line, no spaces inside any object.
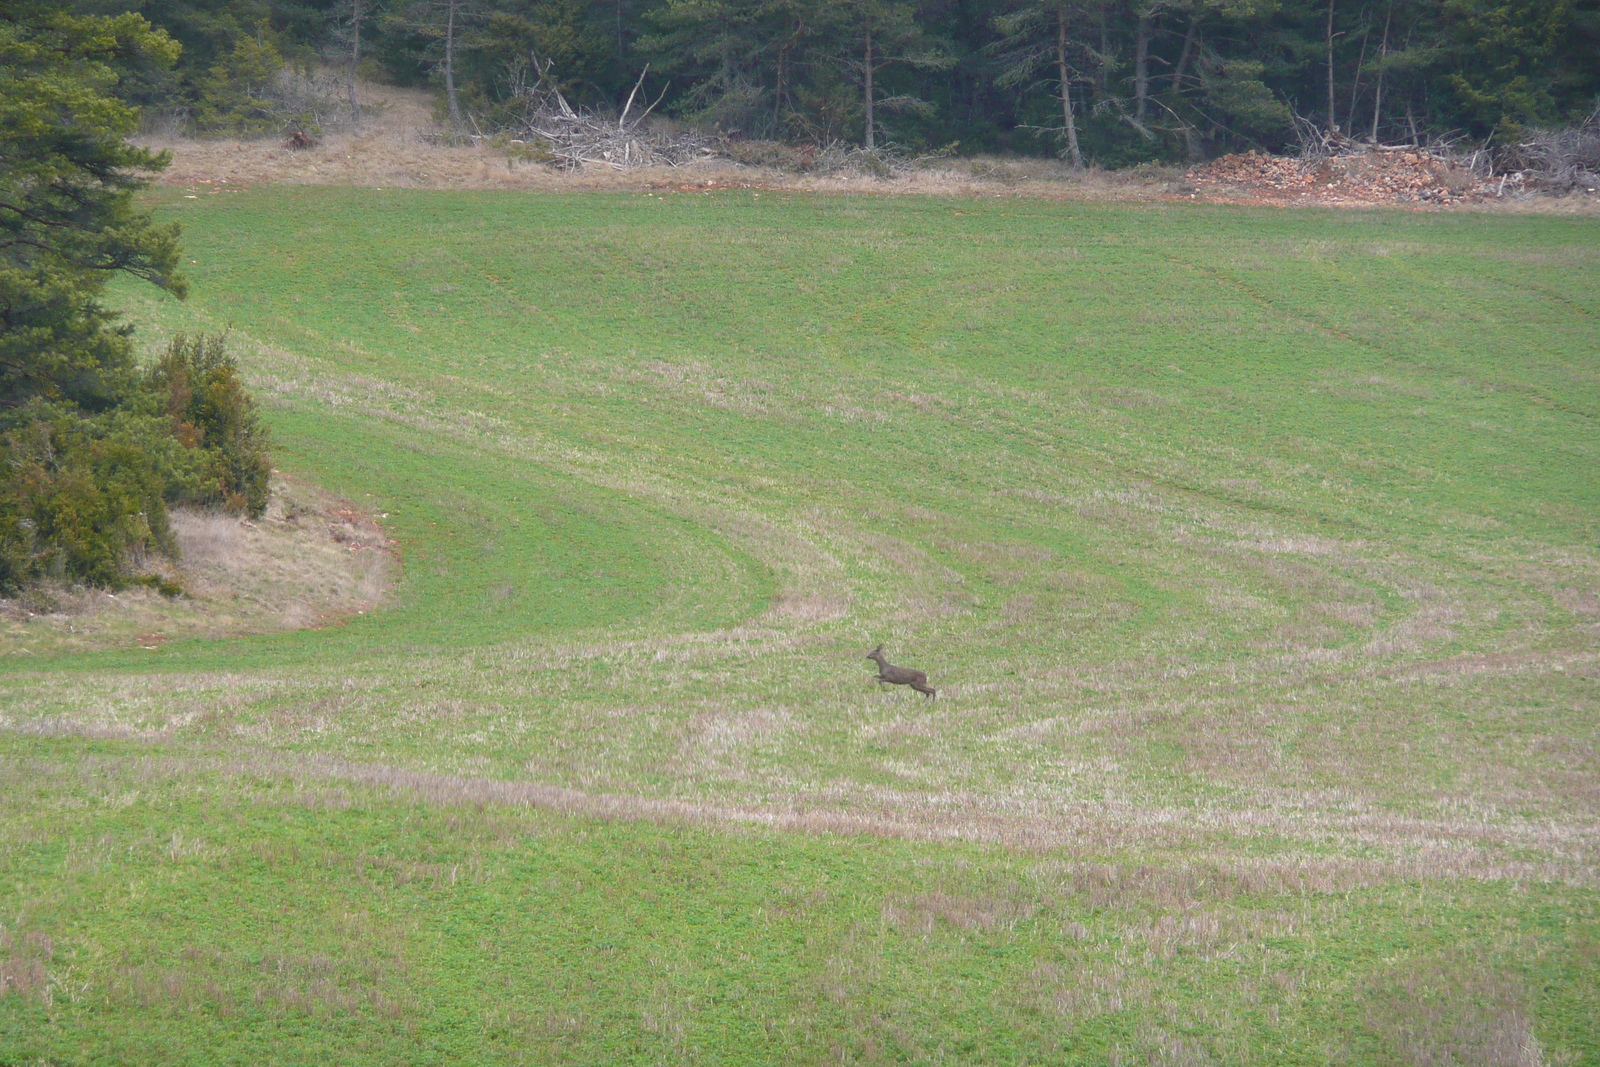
{"x":1109,"y":81}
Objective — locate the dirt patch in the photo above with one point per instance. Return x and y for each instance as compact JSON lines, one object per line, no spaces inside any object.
{"x":399,"y":147}
{"x":313,"y":559}
{"x":1372,"y":176}
{"x":408,"y":159}
{"x":395,"y":161}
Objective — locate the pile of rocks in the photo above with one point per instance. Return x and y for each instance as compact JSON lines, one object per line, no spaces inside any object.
{"x":1253,"y":170}
{"x":1375,"y":175}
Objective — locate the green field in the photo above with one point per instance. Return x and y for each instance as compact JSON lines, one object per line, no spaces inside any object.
{"x":1255,"y":554}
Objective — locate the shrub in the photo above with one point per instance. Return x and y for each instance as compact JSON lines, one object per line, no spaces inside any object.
{"x":79,"y":495}
{"x":84,"y":494}
{"x":253,"y":92}
{"x":91,"y":451}
{"x":197,"y":387}
{"x":165,"y":586}
{"x":235,"y":94}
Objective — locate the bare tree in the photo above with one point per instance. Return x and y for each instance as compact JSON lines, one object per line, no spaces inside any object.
{"x":1333,"y":115}
{"x":869,"y":35}
{"x":1146,"y":15}
{"x":1190,"y":36}
{"x":441,"y":22}
{"x":355,"y":58}
{"x":1066,"y":89}
{"x":1383,"y":56}
{"x":1147,"y":21}
{"x":1037,"y":36}
{"x":452,"y":9}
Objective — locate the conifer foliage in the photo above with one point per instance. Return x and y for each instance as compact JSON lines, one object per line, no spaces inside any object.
{"x":215,"y":421}
{"x":1124,"y":80}
{"x":67,"y":217}
{"x":91,"y":449}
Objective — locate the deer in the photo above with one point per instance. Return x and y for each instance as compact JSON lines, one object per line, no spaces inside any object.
{"x":888,"y":672}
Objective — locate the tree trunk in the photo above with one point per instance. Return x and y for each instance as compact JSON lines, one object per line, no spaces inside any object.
{"x":1355,"y":79}
{"x":355,"y":59}
{"x":1066,"y":90}
{"x":1105,"y":50}
{"x":450,"y":63}
{"x":1141,"y":65}
{"x":1188,"y":50}
{"x":1333,"y":115}
{"x":1383,"y":53}
{"x":867,"y":68}
{"x":777,"y":94}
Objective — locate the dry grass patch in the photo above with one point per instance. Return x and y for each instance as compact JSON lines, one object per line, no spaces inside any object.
{"x":398,"y":146}
{"x":24,"y":957}
{"x":1456,"y":1009}
{"x":311,"y":560}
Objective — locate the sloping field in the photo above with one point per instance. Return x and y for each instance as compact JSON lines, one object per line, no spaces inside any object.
{"x":1255,"y":554}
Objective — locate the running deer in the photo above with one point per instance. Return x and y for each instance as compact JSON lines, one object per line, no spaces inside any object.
{"x":888,"y":672}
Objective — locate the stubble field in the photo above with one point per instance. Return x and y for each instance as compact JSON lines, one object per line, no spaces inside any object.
{"x":1255,"y":554}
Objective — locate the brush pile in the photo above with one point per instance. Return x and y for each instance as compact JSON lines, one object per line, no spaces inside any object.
{"x":1356,"y":174}
{"x":552,"y":131}
{"x":1561,"y":161}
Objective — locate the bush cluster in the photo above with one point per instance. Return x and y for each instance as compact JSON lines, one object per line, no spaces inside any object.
{"x":255,"y":91}
{"x":214,"y":420}
{"x":84,"y":494}
{"x":92,"y":449}
{"x":236,"y":96}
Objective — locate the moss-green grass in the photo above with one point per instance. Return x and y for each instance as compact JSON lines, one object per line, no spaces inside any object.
{"x":1253,"y":552}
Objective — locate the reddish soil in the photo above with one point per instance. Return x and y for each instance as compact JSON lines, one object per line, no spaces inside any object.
{"x":1371,"y":177}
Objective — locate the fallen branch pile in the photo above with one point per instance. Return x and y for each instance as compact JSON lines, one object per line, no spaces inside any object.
{"x":552,"y":131}
{"x":1561,"y":160}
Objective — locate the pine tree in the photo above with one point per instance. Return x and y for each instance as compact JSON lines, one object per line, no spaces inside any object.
{"x":743,"y":59}
{"x":864,"y":37}
{"x":67,"y":216}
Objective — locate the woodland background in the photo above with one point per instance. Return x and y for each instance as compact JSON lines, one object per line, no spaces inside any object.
{"x":1148,"y":80}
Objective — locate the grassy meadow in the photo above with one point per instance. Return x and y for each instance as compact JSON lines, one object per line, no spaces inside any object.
{"x":1255,"y":554}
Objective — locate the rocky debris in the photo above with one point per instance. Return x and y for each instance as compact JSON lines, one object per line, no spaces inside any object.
{"x":1377,"y":175}
{"x":1252,"y":170}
